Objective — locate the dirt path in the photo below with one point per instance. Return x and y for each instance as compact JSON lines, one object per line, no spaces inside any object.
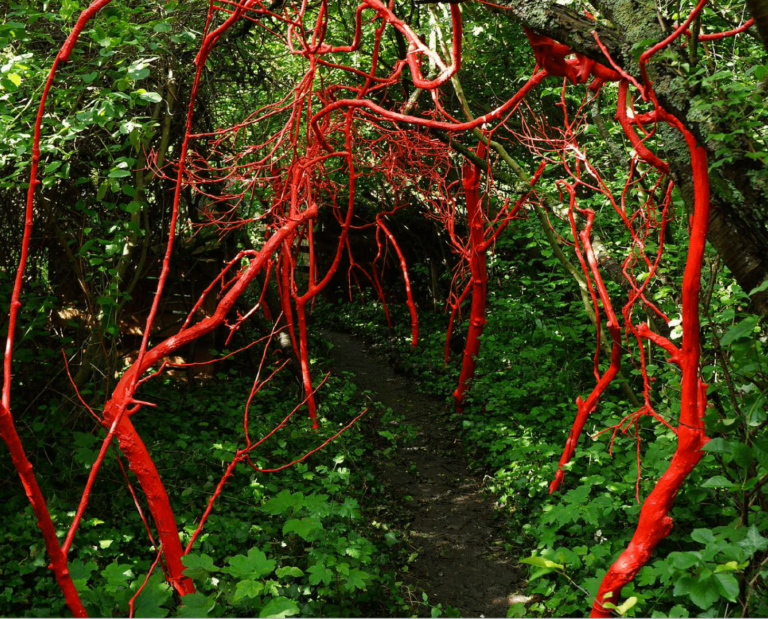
{"x":452,"y":523}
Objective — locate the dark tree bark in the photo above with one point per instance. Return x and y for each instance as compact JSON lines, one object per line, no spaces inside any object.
{"x":759,"y":11}
{"x":738,"y":227}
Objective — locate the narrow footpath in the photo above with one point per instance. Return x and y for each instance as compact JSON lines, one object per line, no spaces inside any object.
{"x":460,"y":560}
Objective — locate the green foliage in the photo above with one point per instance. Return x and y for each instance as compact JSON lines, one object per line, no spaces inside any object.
{"x":517,"y":423}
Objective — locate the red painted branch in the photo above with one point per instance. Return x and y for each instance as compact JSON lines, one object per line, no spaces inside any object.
{"x":7,"y":426}
{"x":122,"y":397}
{"x":408,"y":291}
{"x":586,"y":407}
{"x":655,"y":523}
{"x":479,"y":273}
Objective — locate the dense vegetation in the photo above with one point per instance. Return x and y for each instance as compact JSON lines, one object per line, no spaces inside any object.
{"x":296,"y":530}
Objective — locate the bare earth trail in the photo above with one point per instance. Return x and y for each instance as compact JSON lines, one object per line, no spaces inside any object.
{"x":452,"y":522}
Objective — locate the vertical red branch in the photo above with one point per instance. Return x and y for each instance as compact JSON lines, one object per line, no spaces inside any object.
{"x":479,"y":275}
{"x":592,"y":274}
{"x":408,"y":292}
{"x":655,"y":523}
{"x":7,"y":427}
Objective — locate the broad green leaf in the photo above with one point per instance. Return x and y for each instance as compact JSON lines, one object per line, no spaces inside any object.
{"x":283,"y":502}
{"x":255,"y":565}
{"x":717,"y":445}
{"x":742,"y":455}
{"x":81,"y":571}
{"x":679,"y":611}
{"x":117,"y":575}
{"x":753,"y":542}
{"x":152,"y":597}
{"x":198,"y":566}
{"x":52,"y":167}
{"x":704,"y":592}
{"x":319,"y":573}
{"x":684,"y":560}
{"x":727,"y":585}
{"x":248,"y":588}
{"x":282,"y":572}
{"x":195,"y":605}
{"x":132,"y":207}
{"x":542,"y":571}
{"x":703,"y":536}
{"x":306,"y":528}
{"x":138,"y":71}
{"x":760,"y":451}
{"x":718,"y":481}
{"x":731,"y":566}
{"x":759,"y":288}
{"x":152,"y":97}
{"x":542,"y":562}
{"x":740,"y":330}
{"x":279,"y":608}
{"x":119,"y":173}
{"x":356,"y":579}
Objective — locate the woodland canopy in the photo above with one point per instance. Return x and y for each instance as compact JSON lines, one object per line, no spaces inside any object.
{"x":222,"y":224}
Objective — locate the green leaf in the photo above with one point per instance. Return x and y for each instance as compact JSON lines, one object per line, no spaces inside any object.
{"x":138,"y":71}
{"x":760,"y":451}
{"x":703,"y":536}
{"x":132,"y":207}
{"x":717,"y":445}
{"x":119,"y":173}
{"x":742,"y":455}
{"x":718,"y":481}
{"x":280,"y":607}
{"x":152,"y":597}
{"x":81,"y":571}
{"x":542,"y":571}
{"x":728,"y":586}
{"x":254,"y":565}
{"x":356,"y":579}
{"x":152,"y":97}
{"x":283,"y":502}
{"x":52,"y":167}
{"x":103,"y":189}
{"x":306,"y":528}
{"x":754,"y":542}
{"x":684,"y":560}
{"x":248,"y":588}
{"x":731,"y":566}
{"x":282,"y":572}
{"x":704,"y":592}
{"x":628,"y":603}
{"x":679,"y":611}
{"x":759,"y":288}
{"x":542,"y":562}
{"x":319,"y":573}
{"x":743,"y":329}
{"x":195,"y":605}
{"x":198,"y":566}
{"x":117,"y":575}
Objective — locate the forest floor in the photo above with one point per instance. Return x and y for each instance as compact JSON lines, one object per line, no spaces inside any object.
{"x":450,"y":520}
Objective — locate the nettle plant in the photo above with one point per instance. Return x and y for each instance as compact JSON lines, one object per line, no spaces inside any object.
{"x":310,"y":151}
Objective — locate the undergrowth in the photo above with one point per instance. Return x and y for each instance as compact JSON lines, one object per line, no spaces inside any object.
{"x":308,"y":540}
{"x":536,"y":357}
